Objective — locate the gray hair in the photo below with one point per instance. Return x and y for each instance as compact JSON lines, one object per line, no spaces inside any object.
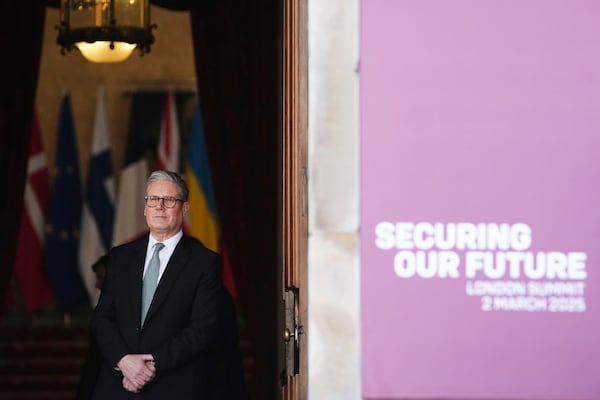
{"x":170,"y":176}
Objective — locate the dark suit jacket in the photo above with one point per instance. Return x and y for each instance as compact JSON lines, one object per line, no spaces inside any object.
{"x":181,"y":328}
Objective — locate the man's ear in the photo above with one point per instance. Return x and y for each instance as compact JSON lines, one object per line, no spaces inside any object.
{"x":186,"y":208}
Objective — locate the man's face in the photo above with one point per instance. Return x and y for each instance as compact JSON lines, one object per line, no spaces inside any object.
{"x":165,"y":222}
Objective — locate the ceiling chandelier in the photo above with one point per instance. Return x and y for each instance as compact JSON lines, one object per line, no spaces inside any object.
{"x":105,"y":31}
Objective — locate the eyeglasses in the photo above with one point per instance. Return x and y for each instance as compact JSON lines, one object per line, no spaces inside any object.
{"x":168,"y":202}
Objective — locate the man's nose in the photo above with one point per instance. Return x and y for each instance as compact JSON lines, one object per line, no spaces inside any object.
{"x":161,"y":203}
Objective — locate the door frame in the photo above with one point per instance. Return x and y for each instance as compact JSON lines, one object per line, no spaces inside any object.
{"x":294,"y":202}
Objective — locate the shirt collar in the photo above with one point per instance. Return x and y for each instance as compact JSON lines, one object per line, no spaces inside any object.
{"x":170,"y":243}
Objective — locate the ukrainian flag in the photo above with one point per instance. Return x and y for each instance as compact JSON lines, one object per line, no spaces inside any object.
{"x":202,"y":223}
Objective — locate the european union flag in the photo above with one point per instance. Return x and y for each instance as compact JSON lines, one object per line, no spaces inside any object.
{"x":64,"y":217}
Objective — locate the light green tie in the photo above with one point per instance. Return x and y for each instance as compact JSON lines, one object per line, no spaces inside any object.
{"x":150,"y":280}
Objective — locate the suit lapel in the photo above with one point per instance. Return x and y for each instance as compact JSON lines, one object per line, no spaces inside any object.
{"x":176,"y":265}
{"x":138,"y":258}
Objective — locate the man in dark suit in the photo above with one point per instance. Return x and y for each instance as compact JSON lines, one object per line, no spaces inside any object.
{"x":166,"y":354}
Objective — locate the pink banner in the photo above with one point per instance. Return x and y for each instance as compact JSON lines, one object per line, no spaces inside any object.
{"x":480,"y":207}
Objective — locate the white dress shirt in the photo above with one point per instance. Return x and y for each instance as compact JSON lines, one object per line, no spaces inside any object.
{"x":165,"y":254}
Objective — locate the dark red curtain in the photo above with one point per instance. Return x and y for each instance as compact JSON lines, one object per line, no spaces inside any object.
{"x":21,"y":34}
{"x":236,"y":53}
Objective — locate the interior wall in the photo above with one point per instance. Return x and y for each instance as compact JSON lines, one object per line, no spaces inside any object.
{"x":333,"y":256}
{"x":170,"y":62}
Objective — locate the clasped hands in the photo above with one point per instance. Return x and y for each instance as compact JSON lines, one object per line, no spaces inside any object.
{"x":137,"y":370}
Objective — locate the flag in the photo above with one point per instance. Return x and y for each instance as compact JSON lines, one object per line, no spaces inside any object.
{"x":202,"y":221}
{"x":130,"y":222}
{"x":227,"y":272}
{"x":64,"y":217}
{"x":29,"y":272}
{"x":98,"y":204}
{"x":169,"y":140}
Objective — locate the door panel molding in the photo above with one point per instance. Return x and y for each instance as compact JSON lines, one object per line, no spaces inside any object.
{"x":294,"y":187}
